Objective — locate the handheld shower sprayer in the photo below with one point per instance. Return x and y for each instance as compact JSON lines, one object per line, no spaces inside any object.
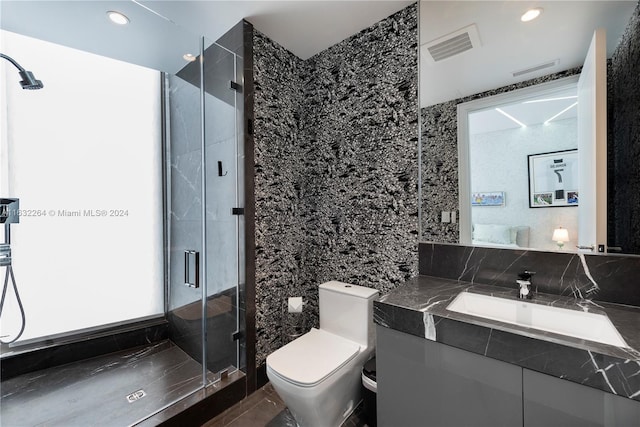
{"x":28,"y":79}
{"x":9,"y":209}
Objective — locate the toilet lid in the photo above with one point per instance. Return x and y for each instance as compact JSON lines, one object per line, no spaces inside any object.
{"x":311,"y":358}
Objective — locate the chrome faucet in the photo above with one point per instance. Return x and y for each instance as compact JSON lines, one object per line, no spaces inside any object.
{"x":525,"y":284}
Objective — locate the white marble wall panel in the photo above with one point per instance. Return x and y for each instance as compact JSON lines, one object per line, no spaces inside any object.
{"x":185,"y":205}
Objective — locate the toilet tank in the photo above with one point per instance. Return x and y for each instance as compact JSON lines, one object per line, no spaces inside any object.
{"x":347,"y":310}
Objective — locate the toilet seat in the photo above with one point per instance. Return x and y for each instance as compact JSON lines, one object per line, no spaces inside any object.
{"x":312,"y":358}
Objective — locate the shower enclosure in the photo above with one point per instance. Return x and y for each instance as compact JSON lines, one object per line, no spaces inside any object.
{"x":205,"y":196}
{"x":133,"y":278}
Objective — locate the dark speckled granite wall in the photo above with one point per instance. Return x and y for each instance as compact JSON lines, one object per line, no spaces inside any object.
{"x":335,"y":169}
{"x":363,"y":133}
{"x":624,"y":140}
{"x":279,"y":172}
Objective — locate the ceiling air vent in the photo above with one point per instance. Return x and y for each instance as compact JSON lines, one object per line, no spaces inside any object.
{"x":453,"y":44}
{"x":538,"y":67}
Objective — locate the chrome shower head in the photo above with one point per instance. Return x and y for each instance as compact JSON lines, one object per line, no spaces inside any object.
{"x":28,"y":79}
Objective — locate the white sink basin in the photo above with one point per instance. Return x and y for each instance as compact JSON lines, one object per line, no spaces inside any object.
{"x":579,"y":324}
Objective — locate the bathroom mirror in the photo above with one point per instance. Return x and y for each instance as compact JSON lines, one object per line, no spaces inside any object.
{"x":503,"y":54}
{"x":507,"y":207}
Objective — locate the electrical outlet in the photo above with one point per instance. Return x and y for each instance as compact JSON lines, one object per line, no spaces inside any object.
{"x":446,"y":216}
{"x":453,"y":217}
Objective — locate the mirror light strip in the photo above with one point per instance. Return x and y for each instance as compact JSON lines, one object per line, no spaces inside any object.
{"x":551,"y":99}
{"x":561,"y":112}
{"x":511,"y":117}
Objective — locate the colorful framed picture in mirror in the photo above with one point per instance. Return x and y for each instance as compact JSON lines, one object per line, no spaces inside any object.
{"x":487,"y":198}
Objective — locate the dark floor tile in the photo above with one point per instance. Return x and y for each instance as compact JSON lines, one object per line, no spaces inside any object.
{"x":231,"y":414}
{"x":265,"y":408}
{"x":93,"y":392}
{"x":260,"y":415}
{"x":268,"y":388}
{"x":283,"y":419}
{"x":357,"y":418}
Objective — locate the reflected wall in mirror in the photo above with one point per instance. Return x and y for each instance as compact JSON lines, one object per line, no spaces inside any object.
{"x":552,"y":47}
{"x":505,"y":142}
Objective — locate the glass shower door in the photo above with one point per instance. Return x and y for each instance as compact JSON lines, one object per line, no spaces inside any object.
{"x":222,"y":203}
{"x":203,"y":215}
{"x":185,"y":228}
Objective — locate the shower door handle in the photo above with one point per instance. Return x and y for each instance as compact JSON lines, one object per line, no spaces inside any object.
{"x":192,"y":268}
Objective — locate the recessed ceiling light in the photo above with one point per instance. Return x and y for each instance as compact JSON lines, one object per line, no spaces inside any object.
{"x":531,"y":14}
{"x":189,"y":57}
{"x":117,"y":17}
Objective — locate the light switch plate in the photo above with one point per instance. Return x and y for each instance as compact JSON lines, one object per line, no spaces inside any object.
{"x":446,"y":216}
{"x":453,"y":217}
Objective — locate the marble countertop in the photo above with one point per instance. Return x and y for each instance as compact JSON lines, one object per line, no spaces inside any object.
{"x":419,"y":307}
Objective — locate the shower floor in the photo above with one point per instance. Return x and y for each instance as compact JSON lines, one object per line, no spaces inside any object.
{"x":94,"y":391}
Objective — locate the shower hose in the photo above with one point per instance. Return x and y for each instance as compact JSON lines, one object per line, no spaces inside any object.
{"x":9,"y":273}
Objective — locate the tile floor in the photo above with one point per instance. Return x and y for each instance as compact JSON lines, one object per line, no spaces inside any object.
{"x":264,"y":408}
{"x":63,"y":394}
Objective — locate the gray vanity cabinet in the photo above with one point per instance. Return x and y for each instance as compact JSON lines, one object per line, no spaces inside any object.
{"x":423,"y":383}
{"x":552,"y":402}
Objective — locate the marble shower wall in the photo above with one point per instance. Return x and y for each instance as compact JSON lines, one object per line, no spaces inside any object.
{"x":336,"y":169}
{"x":440,"y":159}
{"x":624,"y":140}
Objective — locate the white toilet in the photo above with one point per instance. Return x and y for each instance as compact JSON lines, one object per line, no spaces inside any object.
{"x":318,"y":376}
